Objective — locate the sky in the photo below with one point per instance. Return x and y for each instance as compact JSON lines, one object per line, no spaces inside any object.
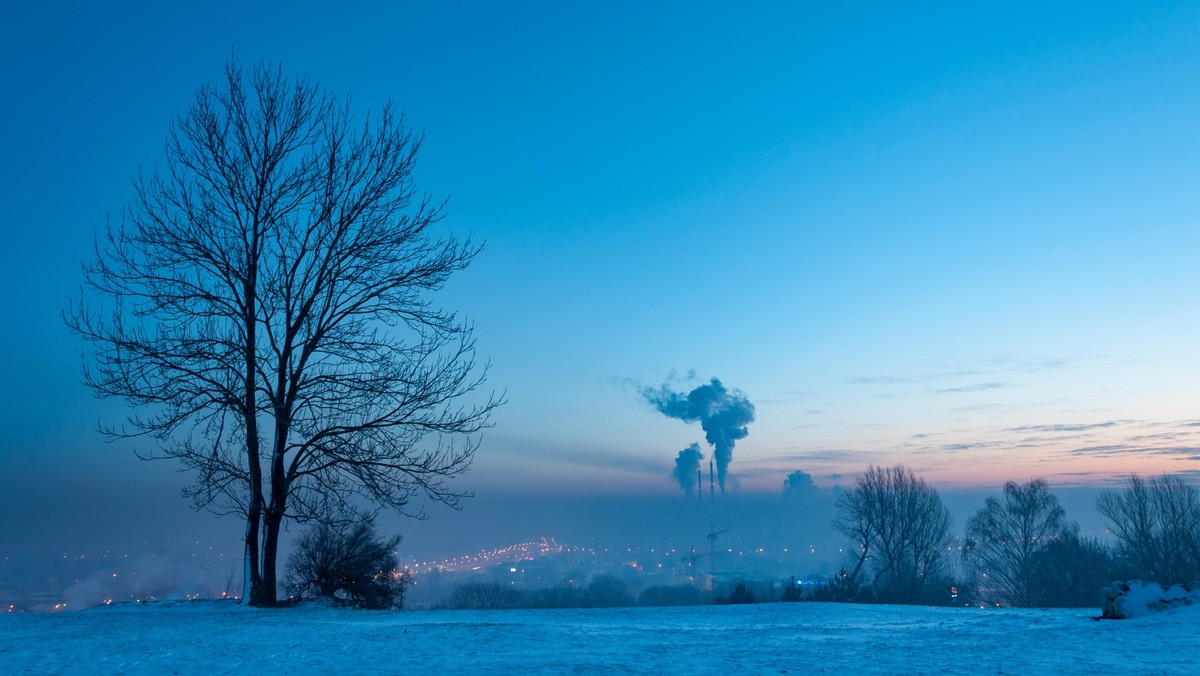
{"x":961,"y":237}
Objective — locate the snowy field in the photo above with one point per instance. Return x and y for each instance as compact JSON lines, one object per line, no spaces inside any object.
{"x":798,"y":638}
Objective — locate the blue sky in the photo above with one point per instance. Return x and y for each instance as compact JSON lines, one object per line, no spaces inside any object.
{"x":959,"y":237}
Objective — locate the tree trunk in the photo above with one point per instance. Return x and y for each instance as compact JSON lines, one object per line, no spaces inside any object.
{"x":257,"y":596}
{"x":276,"y":510}
{"x":252,"y":578}
{"x":273,"y":526}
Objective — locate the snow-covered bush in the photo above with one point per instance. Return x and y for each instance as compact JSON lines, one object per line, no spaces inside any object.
{"x":1136,"y":599}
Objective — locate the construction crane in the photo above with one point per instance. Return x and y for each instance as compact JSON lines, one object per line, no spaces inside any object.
{"x":691,"y":562}
{"x":712,"y":545}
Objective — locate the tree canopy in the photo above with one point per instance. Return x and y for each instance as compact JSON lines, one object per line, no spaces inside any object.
{"x":266,"y":305}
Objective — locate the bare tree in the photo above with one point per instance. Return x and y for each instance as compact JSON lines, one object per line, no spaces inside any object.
{"x":268,"y":311}
{"x":1005,"y":538}
{"x":899,"y":529}
{"x":1157,"y":525}
{"x":1073,"y":572}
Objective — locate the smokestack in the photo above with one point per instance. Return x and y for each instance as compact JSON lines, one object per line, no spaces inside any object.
{"x":724,"y":415}
{"x":712,"y":489}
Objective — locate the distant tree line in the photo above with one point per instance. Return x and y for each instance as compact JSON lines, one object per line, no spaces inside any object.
{"x":610,"y":591}
{"x":1018,"y":550}
{"x":604,"y":591}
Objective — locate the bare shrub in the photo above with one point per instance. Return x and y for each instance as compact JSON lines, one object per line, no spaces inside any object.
{"x":349,"y":565}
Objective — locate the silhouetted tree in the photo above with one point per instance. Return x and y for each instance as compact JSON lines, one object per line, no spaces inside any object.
{"x":1006,"y":536}
{"x":1072,"y":572}
{"x":740,"y":595}
{"x":792,"y":592}
{"x":899,"y":530}
{"x":1157,"y":525}
{"x":349,"y":564}
{"x":269,"y":310}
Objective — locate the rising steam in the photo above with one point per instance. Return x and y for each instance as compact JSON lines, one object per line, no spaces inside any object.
{"x":687,"y":468}
{"x":799,"y":484}
{"x":723,"y":415}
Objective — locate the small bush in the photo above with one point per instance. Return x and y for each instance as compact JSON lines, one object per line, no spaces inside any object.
{"x":349,"y":565}
{"x":792,"y":592}
{"x":741,"y":595}
{"x":842,"y":588}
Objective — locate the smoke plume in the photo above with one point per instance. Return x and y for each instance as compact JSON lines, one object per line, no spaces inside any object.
{"x":723,"y":415}
{"x":687,"y":467}
{"x":798,"y":484}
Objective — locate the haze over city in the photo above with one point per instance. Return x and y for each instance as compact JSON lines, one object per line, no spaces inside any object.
{"x":963,"y":240}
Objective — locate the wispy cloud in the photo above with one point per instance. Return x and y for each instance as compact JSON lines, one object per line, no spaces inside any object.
{"x":1088,"y":478}
{"x":978,"y":408}
{"x":1161,"y":436}
{"x":910,"y":379}
{"x":591,"y":457}
{"x":1029,"y":365}
{"x":1063,"y":427}
{"x":1188,"y":452}
{"x":828,"y":455}
{"x":978,"y":387}
{"x":970,"y":446}
{"x":994,"y":366}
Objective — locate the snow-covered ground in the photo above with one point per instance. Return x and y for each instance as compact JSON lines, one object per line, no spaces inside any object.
{"x":796,"y":638}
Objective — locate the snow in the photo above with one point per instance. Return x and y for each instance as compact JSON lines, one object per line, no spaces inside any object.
{"x":1139,"y":599}
{"x":222,"y":637}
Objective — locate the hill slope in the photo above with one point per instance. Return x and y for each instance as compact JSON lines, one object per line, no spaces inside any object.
{"x":218,"y":637}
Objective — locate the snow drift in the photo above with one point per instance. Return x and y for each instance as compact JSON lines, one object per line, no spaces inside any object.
{"x":1125,"y":600}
